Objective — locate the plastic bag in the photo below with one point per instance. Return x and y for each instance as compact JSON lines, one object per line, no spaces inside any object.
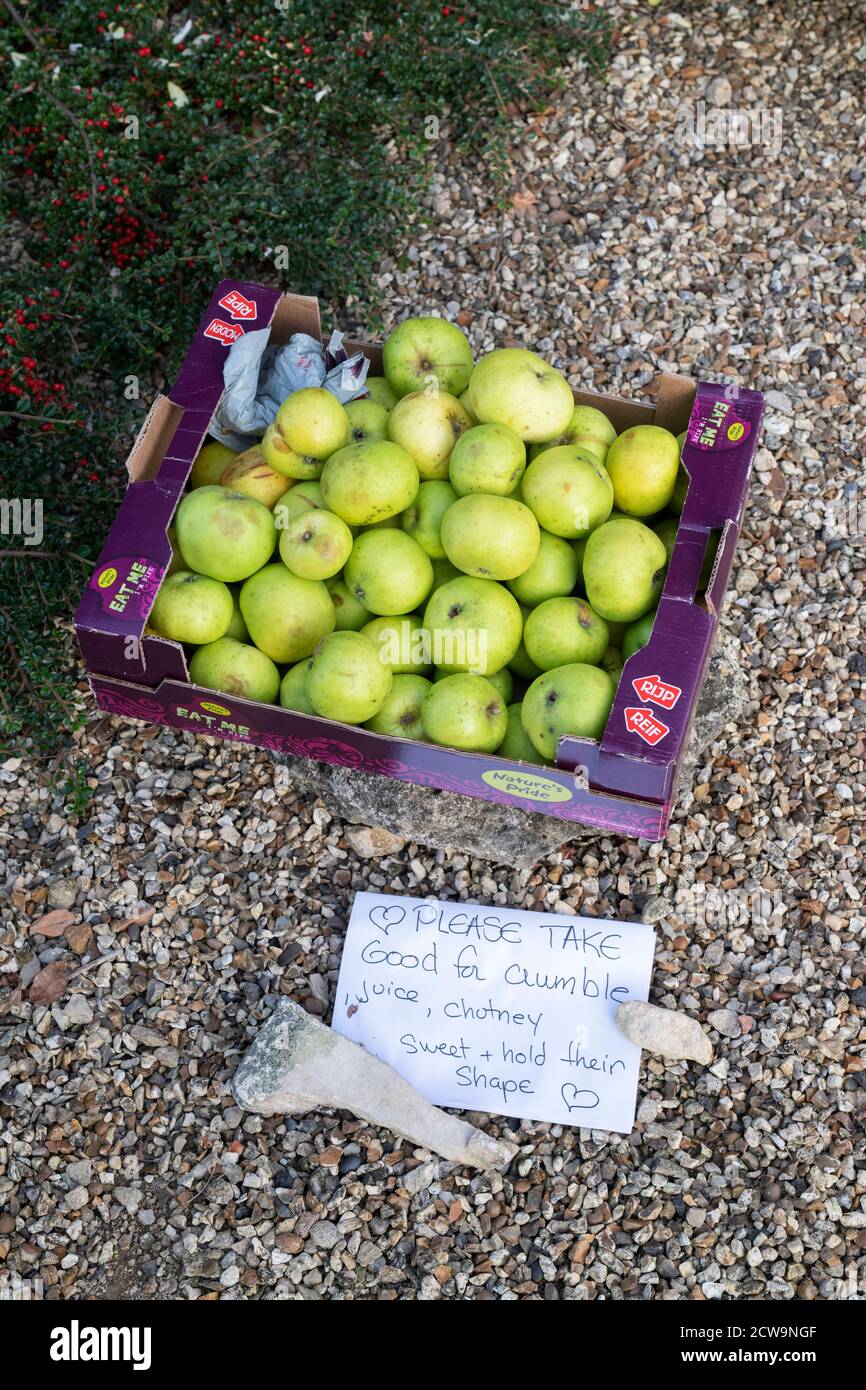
{"x":259,"y":377}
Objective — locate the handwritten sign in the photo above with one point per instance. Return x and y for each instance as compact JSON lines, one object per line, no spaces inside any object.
{"x":487,"y":1008}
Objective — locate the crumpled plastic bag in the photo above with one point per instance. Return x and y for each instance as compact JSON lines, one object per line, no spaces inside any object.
{"x":258,"y":378}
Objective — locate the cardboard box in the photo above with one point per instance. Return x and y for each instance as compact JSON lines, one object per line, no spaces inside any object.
{"x":625,"y":783}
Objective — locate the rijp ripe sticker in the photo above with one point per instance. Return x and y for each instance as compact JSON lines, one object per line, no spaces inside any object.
{"x":238,"y":306}
{"x":657,"y":691}
{"x":645,"y":724}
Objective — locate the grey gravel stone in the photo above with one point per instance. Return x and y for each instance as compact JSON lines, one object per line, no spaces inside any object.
{"x":724,"y":1021}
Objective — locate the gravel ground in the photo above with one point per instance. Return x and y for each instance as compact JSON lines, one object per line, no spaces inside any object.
{"x":199,"y":887}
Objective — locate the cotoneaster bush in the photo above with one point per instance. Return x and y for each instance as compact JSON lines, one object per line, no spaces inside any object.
{"x":145,"y":159}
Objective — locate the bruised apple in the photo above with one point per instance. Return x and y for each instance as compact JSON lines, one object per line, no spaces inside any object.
{"x":236,"y":668}
{"x":251,"y":474}
{"x":224,"y":534}
{"x":428,"y":427}
{"x":311,"y":425}
{"x":369,"y":482}
{"x":286,"y":615}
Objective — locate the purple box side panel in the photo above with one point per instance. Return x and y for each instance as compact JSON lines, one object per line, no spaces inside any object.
{"x":649,"y":724}
{"x":548,"y":790}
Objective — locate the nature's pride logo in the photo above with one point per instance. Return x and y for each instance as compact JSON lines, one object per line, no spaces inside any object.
{"x":214,"y":709}
{"x":526,"y":784}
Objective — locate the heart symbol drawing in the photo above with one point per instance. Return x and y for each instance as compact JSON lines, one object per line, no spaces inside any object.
{"x":576,"y":1102}
{"x":383,"y":918}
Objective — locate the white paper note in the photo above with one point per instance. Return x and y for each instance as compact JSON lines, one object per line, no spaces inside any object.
{"x":488,"y":1008}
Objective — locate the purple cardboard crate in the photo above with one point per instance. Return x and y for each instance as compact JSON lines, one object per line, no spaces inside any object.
{"x":625,"y":783}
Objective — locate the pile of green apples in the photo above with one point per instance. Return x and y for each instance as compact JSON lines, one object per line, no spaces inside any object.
{"x":464,"y":557}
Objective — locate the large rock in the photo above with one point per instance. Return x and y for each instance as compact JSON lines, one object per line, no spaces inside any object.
{"x":297,"y":1064}
{"x":504,"y":834}
{"x":665,"y":1032}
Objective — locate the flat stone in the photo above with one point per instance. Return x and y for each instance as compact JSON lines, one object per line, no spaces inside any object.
{"x":718,"y":92}
{"x":62,"y":892}
{"x":665,"y":1032}
{"x":484,"y":829}
{"x":373,"y":841}
{"x":296,"y":1064}
{"x":726,"y":1022}
{"x":325,"y":1235}
{"x":80,"y":1173}
{"x":130,"y":1198}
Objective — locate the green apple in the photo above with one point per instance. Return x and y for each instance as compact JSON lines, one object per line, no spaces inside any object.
{"x":293,"y":694}
{"x":502,"y":680}
{"x":316,"y":544}
{"x":443,"y":572}
{"x":311,"y":425}
{"x":367,"y":420}
{"x":552,"y":574}
{"x":422,"y":520}
{"x":346,"y":680}
{"x":211,"y":461}
{"x":388,"y":572}
{"x":301,"y":496}
{"x":351,"y":615}
{"x":490,"y":537}
{"x":520,"y":663}
{"x":428,"y":427}
{"x":237,"y":628}
{"x":612,"y":662}
{"x":517,"y":745}
{"x":176,"y":562}
{"x":487,"y":458}
{"x":464,"y":712}
{"x":568,"y":490}
{"x":473,"y":625}
{"x":380,"y":392}
{"x":588,"y":429}
{"x":642,"y":464}
{"x":224,"y":534}
{"x":623,"y":569}
{"x":250,"y":474}
{"x":667,"y":534}
{"x":427,"y":351}
{"x":400,"y":716}
{"x":519,"y":389}
{"x":504,"y":683}
{"x":369,"y":482}
{"x":237,"y":669}
{"x":463,"y":398}
{"x":574,"y":699}
{"x":637,"y":634}
{"x":191,"y":608}
{"x":561,"y":631}
{"x":401,"y":643}
{"x":286,"y":616}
